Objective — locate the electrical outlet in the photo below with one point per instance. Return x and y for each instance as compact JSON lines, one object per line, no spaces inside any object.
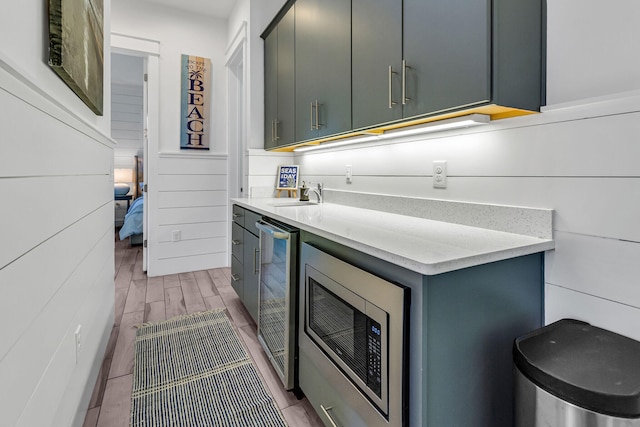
{"x":349,"y":174}
{"x":439,"y":174}
{"x":78,"y":337}
{"x":176,"y":235}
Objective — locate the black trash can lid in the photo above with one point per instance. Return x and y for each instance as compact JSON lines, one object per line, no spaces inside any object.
{"x":590,"y":367}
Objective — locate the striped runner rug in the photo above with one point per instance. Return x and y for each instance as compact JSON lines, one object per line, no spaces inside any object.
{"x":193,"y":371}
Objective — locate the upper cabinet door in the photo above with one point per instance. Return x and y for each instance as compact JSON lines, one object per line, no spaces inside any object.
{"x":377,"y":61}
{"x":286,"y":80}
{"x":447,"y":52}
{"x":270,"y":88}
{"x":279,"y":109}
{"x":323,"y":68}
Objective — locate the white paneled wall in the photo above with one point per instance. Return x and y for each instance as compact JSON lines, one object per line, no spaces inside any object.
{"x":56,"y":256}
{"x":191,"y":202}
{"x":126,"y":123}
{"x":261,"y":171}
{"x":580,"y":160}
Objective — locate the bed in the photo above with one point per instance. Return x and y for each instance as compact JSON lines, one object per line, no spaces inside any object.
{"x":132,"y":226}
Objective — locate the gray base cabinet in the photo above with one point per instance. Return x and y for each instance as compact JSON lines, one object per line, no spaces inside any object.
{"x":462,"y":326}
{"x":245,"y":250}
{"x":250,"y":269}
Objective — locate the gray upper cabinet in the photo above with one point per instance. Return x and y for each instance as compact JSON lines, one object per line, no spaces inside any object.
{"x":362,"y":64}
{"x":447,"y":54}
{"x":377,"y":61}
{"x":323,"y":68}
{"x":279,"y":70}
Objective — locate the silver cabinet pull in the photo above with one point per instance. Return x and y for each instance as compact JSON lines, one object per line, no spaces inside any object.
{"x":315,"y":124}
{"x":234,"y":277}
{"x":235,"y":215}
{"x":276,"y":122}
{"x":326,"y":413}
{"x":235,"y":242}
{"x":255,"y":264}
{"x":311,"y":116}
{"x":391,"y":73}
{"x":273,"y":137}
{"x":404,"y":82}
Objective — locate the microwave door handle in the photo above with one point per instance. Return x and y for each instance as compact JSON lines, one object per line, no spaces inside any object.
{"x":276,"y":233}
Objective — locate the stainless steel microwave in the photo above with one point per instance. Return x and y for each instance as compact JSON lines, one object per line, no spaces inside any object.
{"x":358,"y":323}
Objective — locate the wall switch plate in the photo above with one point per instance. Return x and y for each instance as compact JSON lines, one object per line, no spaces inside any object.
{"x":439,"y":174}
{"x":176,"y":235}
{"x":349,"y":174}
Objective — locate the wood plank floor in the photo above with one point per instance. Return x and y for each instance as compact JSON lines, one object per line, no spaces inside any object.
{"x":139,"y":299}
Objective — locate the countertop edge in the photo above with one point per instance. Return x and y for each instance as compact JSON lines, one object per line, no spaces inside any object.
{"x":536,"y":245}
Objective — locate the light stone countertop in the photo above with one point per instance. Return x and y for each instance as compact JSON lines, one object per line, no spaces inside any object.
{"x":422,"y":245}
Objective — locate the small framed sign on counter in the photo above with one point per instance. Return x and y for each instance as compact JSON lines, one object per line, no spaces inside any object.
{"x":288,"y":179}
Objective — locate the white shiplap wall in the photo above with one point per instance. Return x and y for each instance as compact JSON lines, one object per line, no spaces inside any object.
{"x":126,"y":123}
{"x":190,"y":198}
{"x":56,"y":255}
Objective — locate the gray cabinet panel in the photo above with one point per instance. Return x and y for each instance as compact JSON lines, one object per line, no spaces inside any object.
{"x":286,"y":80}
{"x":447,"y":45}
{"x":237,"y":237}
{"x":377,"y":45}
{"x":279,"y":80}
{"x":238,"y":215}
{"x":245,"y":260}
{"x":251,"y":266}
{"x":270,"y":88}
{"x":323,"y":68}
{"x":236,"y":277}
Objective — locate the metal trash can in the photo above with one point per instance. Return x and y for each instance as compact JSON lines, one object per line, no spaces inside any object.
{"x":572,"y":374}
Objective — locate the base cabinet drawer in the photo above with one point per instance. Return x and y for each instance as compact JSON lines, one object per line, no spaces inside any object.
{"x":236,"y":277}
{"x":237,"y":240}
{"x":238,"y":215}
{"x":245,"y":260}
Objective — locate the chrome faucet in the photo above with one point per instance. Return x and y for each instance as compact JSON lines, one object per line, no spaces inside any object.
{"x":317,"y":191}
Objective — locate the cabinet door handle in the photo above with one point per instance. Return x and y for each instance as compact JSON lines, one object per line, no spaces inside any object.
{"x":235,"y":215}
{"x":391,"y":73}
{"x":234,"y":277}
{"x":272,"y":134}
{"x":326,"y":410}
{"x":404,"y":82}
{"x":255,"y":264}
{"x":235,"y":242}
{"x":317,"y":116}
{"x":311,"y":116}
{"x":276,"y":122}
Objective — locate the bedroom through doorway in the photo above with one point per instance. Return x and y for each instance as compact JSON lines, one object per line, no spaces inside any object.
{"x":128,"y":118}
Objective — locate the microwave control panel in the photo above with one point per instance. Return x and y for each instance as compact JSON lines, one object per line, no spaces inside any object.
{"x":374,"y":356}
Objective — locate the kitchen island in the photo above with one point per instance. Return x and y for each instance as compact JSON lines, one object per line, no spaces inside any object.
{"x":474,"y":288}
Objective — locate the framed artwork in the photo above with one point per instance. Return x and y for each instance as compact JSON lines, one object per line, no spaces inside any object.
{"x":195,"y":94}
{"x":288,"y":177}
{"x":76,"y":47}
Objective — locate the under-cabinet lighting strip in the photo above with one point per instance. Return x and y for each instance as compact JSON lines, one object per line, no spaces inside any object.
{"x":454,"y":123}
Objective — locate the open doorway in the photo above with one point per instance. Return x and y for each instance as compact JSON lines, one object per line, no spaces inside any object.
{"x":128,"y":118}
{"x":236,"y":75}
